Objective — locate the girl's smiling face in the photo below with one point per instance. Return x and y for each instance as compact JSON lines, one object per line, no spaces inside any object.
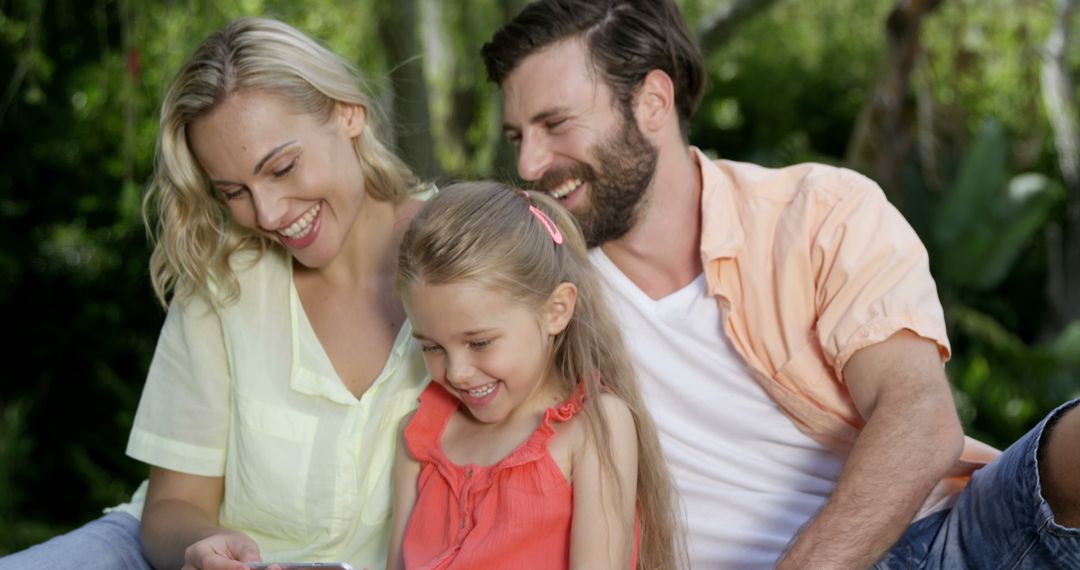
{"x":291,"y":176}
{"x":492,"y":353}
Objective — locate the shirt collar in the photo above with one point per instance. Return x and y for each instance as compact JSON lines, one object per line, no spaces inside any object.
{"x":721,"y":231}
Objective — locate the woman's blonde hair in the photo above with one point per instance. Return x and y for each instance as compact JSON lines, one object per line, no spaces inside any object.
{"x":484,"y":233}
{"x":193,"y":234}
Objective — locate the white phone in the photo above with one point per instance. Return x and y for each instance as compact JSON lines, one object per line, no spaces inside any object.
{"x":302,"y":565}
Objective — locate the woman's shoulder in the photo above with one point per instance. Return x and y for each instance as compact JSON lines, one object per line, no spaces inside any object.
{"x":251,"y":264}
{"x":256,"y":271}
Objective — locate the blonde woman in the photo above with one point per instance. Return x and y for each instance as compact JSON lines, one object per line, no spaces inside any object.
{"x":268,"y":417}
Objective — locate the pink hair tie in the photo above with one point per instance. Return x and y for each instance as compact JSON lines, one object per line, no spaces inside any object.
{"x":549,"y":224}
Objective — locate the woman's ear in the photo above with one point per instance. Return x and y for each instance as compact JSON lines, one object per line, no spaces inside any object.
{"x":559,"y":308}
{"x":352,"y":118}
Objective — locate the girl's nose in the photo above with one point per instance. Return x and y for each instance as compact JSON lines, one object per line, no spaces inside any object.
{"x":458,"y":371}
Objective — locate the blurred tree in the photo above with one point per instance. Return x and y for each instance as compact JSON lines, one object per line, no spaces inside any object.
{"x":717,"y":28}
{"x":399,"y":27}
{"x":72,"y":263}
{"x":1059,"y":94}
{"x":884,"y":130}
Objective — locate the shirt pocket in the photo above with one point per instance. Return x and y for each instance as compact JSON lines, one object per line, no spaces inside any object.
{"x":266,"y":478}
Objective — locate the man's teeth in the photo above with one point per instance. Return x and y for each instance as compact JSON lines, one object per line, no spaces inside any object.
{"x":301,"y":227}
{"x":482,"y":391}
{"x":565,"y":188}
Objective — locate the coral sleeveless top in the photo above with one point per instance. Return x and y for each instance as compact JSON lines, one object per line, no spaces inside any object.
{"x":513,"y":514}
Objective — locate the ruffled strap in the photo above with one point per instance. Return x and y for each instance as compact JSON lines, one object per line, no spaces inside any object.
{"x":536,"y":446}
{"x":424,"y":433}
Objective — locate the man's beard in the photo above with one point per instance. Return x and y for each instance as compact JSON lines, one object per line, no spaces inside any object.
{"x":627,"y":163}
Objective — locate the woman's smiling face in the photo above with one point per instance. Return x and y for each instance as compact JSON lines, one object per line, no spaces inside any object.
{"x":290,"y":176}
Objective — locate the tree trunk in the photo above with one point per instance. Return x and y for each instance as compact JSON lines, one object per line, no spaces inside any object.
{"x":1059,"y":96}
{"x":883,"y":136}
{"x":411,"y":118}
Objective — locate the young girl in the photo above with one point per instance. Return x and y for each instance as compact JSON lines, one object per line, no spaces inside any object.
{"x":531,"y":447}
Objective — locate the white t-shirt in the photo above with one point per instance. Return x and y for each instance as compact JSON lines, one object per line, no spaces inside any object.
{"x":748,"y":478}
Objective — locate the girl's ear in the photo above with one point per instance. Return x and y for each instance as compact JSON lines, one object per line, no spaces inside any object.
{"x":559,"y":308}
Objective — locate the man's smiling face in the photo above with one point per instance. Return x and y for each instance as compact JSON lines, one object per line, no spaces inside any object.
{"x":575,"y":142}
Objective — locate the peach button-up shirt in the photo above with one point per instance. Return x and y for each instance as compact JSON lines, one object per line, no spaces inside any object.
{"x":811,"y":263}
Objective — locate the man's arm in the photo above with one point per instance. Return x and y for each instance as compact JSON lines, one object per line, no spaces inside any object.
{"x":911,"y":438}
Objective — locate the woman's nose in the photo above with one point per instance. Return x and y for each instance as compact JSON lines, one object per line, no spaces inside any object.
{"x":270,"y":209}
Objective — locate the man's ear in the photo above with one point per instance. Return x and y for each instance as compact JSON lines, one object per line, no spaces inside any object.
{"x":559,"y":308}
{"x":352,"y":118}
{"x":654,"y":104}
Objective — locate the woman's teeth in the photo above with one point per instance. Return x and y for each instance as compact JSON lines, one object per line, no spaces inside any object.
{"x":301,"y":227}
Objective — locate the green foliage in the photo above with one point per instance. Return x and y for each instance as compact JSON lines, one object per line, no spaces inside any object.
{"x":985,"y":220}
{"x":788,"y":86}
{"x":1004,"y":385}
{"x":983,"y":58}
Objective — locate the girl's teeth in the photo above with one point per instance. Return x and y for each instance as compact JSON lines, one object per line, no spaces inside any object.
{"x":301,"y":227}
{"x":482,"y":391}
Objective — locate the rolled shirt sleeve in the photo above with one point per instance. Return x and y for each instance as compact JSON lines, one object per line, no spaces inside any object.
{"x":872,"y":275}
{"x":182,"y":422}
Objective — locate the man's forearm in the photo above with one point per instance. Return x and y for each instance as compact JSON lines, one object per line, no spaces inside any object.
{"x":905,"y":448}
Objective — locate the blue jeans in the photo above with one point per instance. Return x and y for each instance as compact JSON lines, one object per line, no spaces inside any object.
{"x":1000,"y":521}
{"x":108,"y":543}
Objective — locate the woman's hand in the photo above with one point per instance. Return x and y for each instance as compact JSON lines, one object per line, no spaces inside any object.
{"x":180,"y":525}
{"x":224,"y":550}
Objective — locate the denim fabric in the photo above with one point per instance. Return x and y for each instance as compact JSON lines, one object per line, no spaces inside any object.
{"x":1001,"y":520}
{"x":108,"y":543}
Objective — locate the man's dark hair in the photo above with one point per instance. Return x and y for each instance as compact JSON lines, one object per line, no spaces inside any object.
{"x":626,"y":39}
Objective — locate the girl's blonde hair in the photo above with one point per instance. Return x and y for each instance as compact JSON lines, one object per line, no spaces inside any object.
{"x":193,"y":234}
{"x":483,"y":232}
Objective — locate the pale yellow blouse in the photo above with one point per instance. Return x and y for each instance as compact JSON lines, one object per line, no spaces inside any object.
{"x":246,"y":391}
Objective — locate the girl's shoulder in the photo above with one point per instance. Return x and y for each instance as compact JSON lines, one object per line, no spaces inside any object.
{"x":615,"y":411}
{"x":575,"y":438}
{"x":422,"y":429}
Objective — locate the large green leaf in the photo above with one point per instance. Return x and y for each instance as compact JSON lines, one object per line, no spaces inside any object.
{"x":987,"y":218}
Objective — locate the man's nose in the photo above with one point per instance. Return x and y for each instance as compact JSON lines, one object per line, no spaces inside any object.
{"x":534,"y":157}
